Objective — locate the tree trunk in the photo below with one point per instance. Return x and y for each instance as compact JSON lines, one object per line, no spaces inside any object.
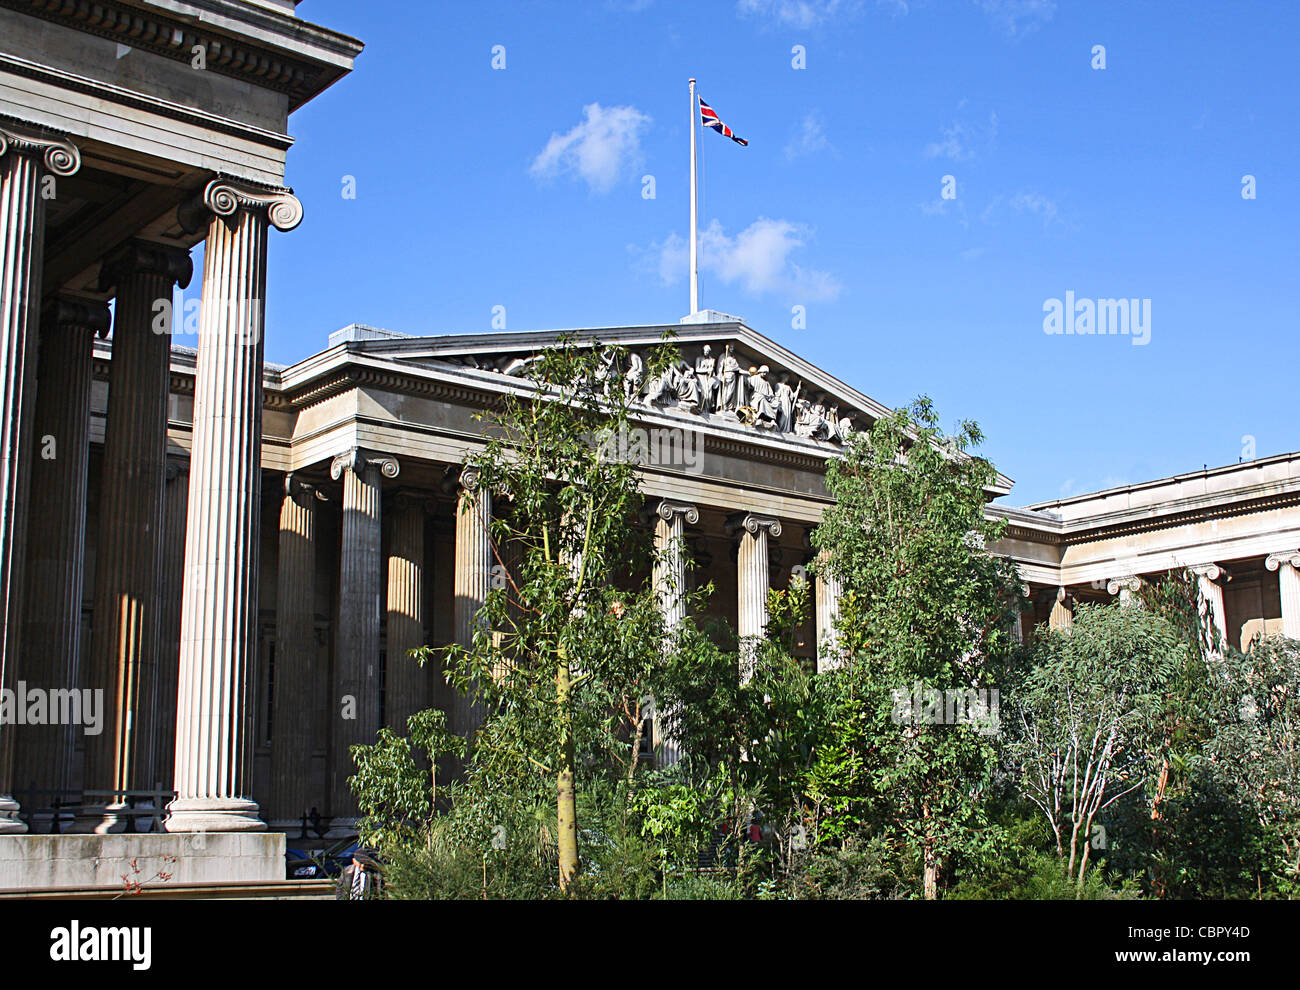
{"x":566,"y":805}
{"x":930,"y":876}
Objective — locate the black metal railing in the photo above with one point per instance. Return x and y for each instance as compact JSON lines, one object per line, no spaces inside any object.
{"x":47,"y":812}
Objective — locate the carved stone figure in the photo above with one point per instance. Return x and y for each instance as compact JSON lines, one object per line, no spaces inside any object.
{"x":687,"y":387}
{"x":605,"y":372}
{"x":733,"y":386}
{"x":845,"y":429}
{"x":634,"y":376}
{"x":803,"y":418}
{"x":705,"y":366}
{"x":658,"y":386}
{"x":762,"y":399}
{"x":785,"y":399}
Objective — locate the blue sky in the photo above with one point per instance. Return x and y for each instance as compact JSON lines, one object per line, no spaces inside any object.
{"x":523,"y":187}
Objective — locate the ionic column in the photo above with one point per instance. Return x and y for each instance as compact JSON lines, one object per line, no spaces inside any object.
{"x":472,"y":580}
{"x":29,"y":159}
{"x":175,"y":506}
{"x":129,"y":547}
{"x":670,"y":558}
{"x":1062,"y":616}
{"x":295,"y":651}
{"x":1017,"y":622}
{"x":214,"y":718}
{"x":356,"y":665}
{"x":56,"y":540}
{"x":827,"y":591}
{"x":1210,"y":579}
{"x":752,"y":581}
{"x":1125,"y":587}
{"x":406,"y":683}
{"x":1287,"y":565}
{"x":670,"y":584}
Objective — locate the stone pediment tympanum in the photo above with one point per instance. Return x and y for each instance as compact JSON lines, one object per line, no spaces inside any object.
{"x":725,"y":375}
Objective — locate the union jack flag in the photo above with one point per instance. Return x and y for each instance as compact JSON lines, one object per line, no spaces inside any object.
{"x":710,"y":119}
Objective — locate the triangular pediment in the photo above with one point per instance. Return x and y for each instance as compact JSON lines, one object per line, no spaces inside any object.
{"x":729,"y":374}
{"x":744,"y":387}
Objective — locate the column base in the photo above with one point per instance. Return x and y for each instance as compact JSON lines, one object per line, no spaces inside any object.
{"x":10,"y":823}
{"x":213,"y":815}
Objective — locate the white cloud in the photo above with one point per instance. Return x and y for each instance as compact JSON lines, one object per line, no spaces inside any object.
{"x":809,"y":139}
{"x":603,"y":147}
{"x":796,"y":13}
{"x":1036,"y":203}
{"x":962,"y":142}
{"x":940,"y":207}
{"x":757,"y":259}
{"x":1018,"y":17}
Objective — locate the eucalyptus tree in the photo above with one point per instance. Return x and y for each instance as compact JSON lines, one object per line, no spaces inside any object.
{"x":1089,"y":719}
{"x":569,"y":641}
{"x":926,"y":612}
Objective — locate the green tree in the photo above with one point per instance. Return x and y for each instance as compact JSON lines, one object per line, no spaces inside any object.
{"x":1088,"y":719}
{"x":566,"y":651}
{"x":1256,"y":748}
{"x":925,"y":609}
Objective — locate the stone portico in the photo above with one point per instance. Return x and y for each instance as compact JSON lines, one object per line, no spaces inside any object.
{"x":237,"y":557}
{"x":130,"y":131}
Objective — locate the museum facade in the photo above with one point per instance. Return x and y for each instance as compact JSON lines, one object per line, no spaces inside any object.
{"x":207,"y":560}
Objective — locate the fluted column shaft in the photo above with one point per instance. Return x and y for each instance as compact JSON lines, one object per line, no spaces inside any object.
{"x":406,"y":683}
{"x":214,"y":718}
{"x":472,"y":581}
{"x":1287,"y":566}
{"x":670,"y":559}
{"x":670,"y":584}
{"x":752,"y":580}
{"x":1062,"y":616}
{"x":129,"y":548}
{"x":57,"y":533}
{"x":175,"y":508}
{"x":1209,"y":580}
{"x":356,"y":665}
{"x":26,"y":158}
{"x":827,"y":593}
{"x":295,"y":649}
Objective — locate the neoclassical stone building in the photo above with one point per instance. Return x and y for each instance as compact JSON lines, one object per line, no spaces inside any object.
{"x":130,"y":131}
{"x":237,"y":554}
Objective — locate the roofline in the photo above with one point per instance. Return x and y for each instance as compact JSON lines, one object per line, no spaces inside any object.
{"x":1158,"y":482}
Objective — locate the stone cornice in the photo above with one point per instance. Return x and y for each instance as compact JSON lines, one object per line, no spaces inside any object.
{"x":265,"y":61}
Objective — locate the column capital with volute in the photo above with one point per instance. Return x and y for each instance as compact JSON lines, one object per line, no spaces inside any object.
{"x":1275,"y":560}
{"x":224,"y":197}
{"x":357,"y":459}
{"x":751,"y":523}
{"x":59,"y":155}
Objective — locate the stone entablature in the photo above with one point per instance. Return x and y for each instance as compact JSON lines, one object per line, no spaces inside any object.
{"x":262,"y":45}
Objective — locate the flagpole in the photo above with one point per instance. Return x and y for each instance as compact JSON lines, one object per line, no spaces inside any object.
{"x":695,"y":258}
